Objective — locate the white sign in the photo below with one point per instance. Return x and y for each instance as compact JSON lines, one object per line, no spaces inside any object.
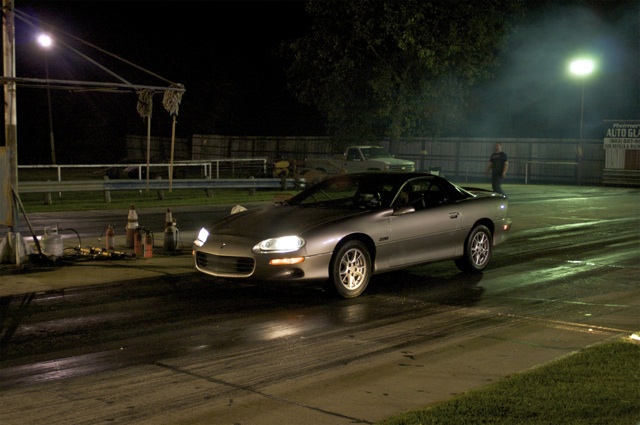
{"x":623,"y":135}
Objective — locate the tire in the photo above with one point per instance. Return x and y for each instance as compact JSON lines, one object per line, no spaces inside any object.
{"x":477,"y":250}
{"x":350,"y":269}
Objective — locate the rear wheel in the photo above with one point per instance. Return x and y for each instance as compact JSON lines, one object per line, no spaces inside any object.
{"x":350,"y":269}
{"x":477,"y":250}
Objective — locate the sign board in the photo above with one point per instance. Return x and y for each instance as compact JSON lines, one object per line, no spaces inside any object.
{"x":622,"y":135}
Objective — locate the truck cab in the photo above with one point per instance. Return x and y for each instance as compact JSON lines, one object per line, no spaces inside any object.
{"x":374,"y":158}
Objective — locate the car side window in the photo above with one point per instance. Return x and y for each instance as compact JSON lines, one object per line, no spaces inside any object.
{"x":423,"y":194}
{"x":416,"y":199}
{"x":435,"y":196}
{"x":352,"y":155}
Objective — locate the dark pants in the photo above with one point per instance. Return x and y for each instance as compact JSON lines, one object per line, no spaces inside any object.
{"x":496,"y":183}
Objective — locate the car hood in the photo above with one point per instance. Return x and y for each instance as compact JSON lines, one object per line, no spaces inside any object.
{"x":397,"y":161}
{"x":481,"y":192}
{"x":278,"y":220}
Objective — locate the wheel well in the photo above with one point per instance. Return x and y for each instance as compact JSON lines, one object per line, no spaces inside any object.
{"x":487,"y":223}
{"x":365,"y":239}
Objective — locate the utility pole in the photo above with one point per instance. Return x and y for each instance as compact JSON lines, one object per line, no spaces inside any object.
{"x":9,"y":152}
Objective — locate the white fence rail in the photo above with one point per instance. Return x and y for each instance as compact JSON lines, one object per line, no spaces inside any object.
{"x":210,"y":168}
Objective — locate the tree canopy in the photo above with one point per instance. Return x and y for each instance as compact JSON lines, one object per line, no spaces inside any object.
{"x":395,"y":68}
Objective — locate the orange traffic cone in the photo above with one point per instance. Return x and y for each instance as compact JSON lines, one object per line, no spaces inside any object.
{"x":148,"y":244}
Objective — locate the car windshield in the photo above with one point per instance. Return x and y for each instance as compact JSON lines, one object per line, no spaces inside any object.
{"x":364,"y":191}
{"x":375,"y":152}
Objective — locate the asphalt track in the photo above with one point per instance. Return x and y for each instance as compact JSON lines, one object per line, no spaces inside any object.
{"x":373,"y":388}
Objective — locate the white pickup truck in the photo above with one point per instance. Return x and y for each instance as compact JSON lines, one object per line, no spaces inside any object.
{"x":373,"y":158}
{"x":354,"y":159}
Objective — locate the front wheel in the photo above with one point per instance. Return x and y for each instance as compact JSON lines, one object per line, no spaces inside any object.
{"x":477,"y":250}
{"x":350,"y":269}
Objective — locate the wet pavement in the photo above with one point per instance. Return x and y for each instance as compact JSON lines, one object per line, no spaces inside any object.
{"x":348,"y":393}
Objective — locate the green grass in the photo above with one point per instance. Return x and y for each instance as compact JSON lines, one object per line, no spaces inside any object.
{"x":598,"y":385}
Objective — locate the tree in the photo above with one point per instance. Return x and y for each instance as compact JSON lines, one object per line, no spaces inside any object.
{"x":395,"y":69}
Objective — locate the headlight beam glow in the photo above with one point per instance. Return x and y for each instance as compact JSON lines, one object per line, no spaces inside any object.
{"x":202,"y":237}
{"x":280,"y":244}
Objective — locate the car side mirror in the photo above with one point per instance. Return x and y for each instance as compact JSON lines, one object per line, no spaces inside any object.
{"x":403,"y":209}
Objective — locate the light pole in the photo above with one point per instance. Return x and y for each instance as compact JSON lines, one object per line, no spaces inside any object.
{"x":45,"y":41}
{"x":581,"y":68}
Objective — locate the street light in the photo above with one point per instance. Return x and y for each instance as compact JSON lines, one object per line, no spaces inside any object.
{"x":46,"y":42}
{"x":581,"y":68}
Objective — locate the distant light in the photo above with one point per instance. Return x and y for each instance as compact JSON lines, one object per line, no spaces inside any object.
{"x":45,"y":40}
{"x":582,"y":67}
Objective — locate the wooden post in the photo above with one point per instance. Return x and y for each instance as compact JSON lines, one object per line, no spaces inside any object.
{"x":47,"y":197}
{"x":107,"y":193}
{"x":160,"y":191}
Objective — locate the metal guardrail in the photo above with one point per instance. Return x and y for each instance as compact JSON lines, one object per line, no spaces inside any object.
{"x":157,"y":184}
{"x":209,"y":167}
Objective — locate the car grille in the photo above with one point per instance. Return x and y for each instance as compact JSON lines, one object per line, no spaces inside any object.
{"x":409,"y":168}
{"x":225,"y":266}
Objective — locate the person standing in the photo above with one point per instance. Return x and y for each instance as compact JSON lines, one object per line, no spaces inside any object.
{"x":498,"y":166}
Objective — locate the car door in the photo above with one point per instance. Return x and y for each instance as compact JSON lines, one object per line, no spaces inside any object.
{"x":430,"y":232}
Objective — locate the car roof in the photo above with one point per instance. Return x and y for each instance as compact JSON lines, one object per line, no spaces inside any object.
{"x":391,"y":175}
{"x":384,"y":177}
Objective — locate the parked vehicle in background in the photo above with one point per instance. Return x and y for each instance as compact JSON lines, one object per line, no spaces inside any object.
{"x":348,"y":227}
{"x":315,"y":170}
{"x":354,"y":159}
{"x":373,"y":158}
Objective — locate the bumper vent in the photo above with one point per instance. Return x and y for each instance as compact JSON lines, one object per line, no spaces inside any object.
{"x":399,"y":168}
{"x":225,"y":266}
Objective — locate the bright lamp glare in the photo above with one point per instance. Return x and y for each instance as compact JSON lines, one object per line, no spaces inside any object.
{"x":582,"y":67}
{"x":45,"y":40}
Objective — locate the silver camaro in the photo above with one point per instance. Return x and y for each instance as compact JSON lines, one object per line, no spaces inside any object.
{"x":344,"y":229}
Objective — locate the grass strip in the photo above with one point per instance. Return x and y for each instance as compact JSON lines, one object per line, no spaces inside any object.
{"x":84,"y":201}
{"x":597,"y":385}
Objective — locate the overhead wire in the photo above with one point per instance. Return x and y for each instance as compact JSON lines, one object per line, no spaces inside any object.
{"x":29,"y":20}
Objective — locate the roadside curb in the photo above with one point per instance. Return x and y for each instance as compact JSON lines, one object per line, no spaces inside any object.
{"x":87,"y":273}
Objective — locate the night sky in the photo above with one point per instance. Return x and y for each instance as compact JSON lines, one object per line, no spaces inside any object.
{"x":223,"y":53}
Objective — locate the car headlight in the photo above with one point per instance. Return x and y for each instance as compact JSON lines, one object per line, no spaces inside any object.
{"x":282,"y":244}
{"x":203,"y":234}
